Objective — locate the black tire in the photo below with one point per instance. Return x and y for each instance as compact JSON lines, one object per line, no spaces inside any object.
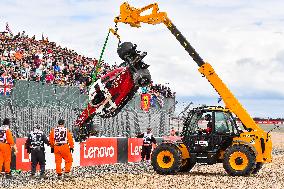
{"x":187,"y":165}
{"x":98,"y":98}
{"x":124,"y":49}
{"x":239,"y":160}
{"x":142,"y":78}
{"x":166,"y":159}
{"x":258,"y":166}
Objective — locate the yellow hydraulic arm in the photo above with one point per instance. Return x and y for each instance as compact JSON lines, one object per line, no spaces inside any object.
{"x":132,"y":16}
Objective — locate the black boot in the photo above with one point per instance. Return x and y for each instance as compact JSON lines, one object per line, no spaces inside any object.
{"x":67,"y":175}
{"x":8,"y":175}
{"x":43,"y":176}
{"x":32,"y":176}
{"x":59,"y":176}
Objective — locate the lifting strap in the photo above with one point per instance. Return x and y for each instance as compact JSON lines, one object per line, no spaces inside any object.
{"x":98,"y":66}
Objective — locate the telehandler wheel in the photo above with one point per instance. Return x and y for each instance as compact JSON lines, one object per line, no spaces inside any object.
{"x":239,"y":160}
{"x":166,"y":159}
{"x":186,"y":165}
{"x":258,"y":166}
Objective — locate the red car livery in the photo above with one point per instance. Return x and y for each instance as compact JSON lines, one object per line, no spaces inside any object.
{"x":109,"y":94}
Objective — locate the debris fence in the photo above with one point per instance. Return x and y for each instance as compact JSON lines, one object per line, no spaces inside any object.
{"x":34,"y":103}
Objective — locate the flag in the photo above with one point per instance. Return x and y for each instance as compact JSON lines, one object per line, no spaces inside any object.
{"x":153,"y":100}
{"x":145,"y":102}
{"x":8,"y":28}
{"x":6,"y":85}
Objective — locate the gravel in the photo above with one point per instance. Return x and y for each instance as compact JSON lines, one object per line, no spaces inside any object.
{"x":141,"y":175}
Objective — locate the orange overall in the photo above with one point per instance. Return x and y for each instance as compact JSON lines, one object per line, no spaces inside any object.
{"x":6,"y":142}
{"x":61,"y":140}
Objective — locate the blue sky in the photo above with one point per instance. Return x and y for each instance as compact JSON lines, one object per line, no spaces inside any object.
{"x":243,"y":40}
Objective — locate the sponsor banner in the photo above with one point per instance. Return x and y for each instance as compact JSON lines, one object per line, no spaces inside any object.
{"x":134,"y":149}
{"x":94,"y":151}
{"x":50,"y":158}
{"x":76,"y":154}
{"x":98,"y":151}
{"x":23,"y":159}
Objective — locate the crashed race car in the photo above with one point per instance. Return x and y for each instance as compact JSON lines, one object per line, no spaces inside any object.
{"x":109,"y":94}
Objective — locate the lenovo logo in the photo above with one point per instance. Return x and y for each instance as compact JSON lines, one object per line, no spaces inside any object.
{"x":22,"y":157}
{"x":135,"y":150}
{"x":23,"y":154}
{"x":98,"y":152}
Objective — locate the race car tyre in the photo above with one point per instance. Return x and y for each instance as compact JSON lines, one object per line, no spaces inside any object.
{"x":239,"y":160}
{"x":142,"y":78}
{"x":166,"y":159}
{"x":98,"y":98}
{"x":124,"y":49}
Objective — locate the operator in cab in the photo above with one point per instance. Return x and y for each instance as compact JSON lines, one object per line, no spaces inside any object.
{"x":209,"y":128}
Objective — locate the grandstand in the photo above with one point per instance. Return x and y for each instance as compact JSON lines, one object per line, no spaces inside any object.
{"x":49,"y":82}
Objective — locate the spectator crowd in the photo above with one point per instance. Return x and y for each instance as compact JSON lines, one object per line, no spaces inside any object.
{"x":162,"y":90}
{"x":25,"y":58}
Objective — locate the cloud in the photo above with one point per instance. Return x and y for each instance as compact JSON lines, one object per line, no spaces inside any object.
{"x":243,"y":40}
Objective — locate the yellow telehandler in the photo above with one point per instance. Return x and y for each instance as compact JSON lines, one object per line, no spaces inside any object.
{"x":242,"y":149}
